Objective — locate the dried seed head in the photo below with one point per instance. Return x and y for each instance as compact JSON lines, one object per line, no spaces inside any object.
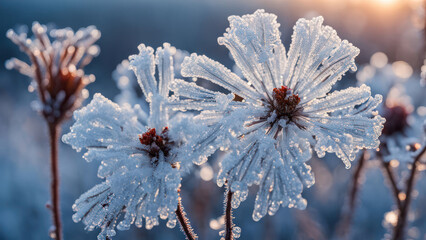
{"x":57,"y":66}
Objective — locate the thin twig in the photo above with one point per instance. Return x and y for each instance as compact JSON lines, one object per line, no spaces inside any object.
{"x":54,"y":129}
{"x":228,"y":216}
{"x":403,"y":213}
{"x":184,"y":222}
{"x":353,"y":195}
{"x":392,"y":180}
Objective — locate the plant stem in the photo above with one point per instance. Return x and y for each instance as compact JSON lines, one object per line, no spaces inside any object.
{"x":353,"y":195}
{"x":184,"y":222}
{"x":228,"y":216}
{"x":403,"y":212}
{"x":391,"y":177}
{"x":54,"y":131}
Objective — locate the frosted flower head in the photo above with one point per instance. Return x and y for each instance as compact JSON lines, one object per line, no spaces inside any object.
{"x":282,"y":110}
{"x":403,"y":106}
{"x":142,"y":156}
{"x":56,"y":67}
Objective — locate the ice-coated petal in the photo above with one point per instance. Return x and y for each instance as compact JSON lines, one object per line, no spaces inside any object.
{"x":246,"y":165}
{"x":338,"y":100}
{"x":107,"y":137}
{"x":190,"y":90}
{"x":295,"y":148}
{"x":344,"y":135}
{"x":280,"y":182}
{"x":143,"y":65}
{"x":344,"y":122}
{"x":164,"y":60}
{"x":317,"y":59}
{"x":197,"y":98}
{"x":130,"y":90}
{"x":128,"y":197}
{"x":204,"y":67}
{"x":279,"y":186}
{"x":255,"y":44}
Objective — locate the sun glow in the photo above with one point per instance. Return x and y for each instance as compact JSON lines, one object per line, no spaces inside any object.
{"x":387,"y":2}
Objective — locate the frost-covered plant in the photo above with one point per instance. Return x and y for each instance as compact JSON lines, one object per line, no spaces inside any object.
{"x":404,"y":110}
{"x":401,"y":106}
{"x":405,"y":194}
{"x":56,"y":73}
{"x":281,"y":111}
{"x":142,"y":156}
{"x":56,"y":69}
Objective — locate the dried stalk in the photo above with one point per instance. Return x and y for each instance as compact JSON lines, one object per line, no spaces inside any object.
{"x":184,"y":222}
{"x":344,"y":227}
{"x":228,"y":216}
{"x":54,"y":131}
{"x":392,"y":180}
{"x":403,"y":211}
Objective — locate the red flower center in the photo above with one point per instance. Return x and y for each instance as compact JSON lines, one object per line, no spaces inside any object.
{"x":285,"y":102}
{"x":156,"y":142}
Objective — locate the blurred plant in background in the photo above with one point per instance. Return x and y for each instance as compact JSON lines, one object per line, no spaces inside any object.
{"x":56,"y":73}
{"x":399,"y":152}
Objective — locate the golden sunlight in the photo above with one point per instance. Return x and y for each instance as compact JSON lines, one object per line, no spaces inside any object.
{"x":387,"y":2}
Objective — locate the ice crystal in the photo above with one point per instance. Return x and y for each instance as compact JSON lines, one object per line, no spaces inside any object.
{"x":281,"y":111}
{"x":56,"y":67}
{"x":141,"y":160}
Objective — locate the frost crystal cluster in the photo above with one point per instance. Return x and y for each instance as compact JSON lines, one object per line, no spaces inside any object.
{"x":281,"y":110}
{"x":142,"y":156}
{"x":56,"y":67}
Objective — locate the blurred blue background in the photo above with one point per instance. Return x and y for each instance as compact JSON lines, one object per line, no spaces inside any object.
{"x":390,"y":26}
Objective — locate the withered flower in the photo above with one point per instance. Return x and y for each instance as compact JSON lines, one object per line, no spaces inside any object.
{"x":56,"y":72}
{"x":56,"y":67}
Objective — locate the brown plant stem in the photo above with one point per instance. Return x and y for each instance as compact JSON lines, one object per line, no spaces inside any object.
{"x":353,"y":195}
{"x":54,"y":131}
{"x":392,"y":181}
{"x":403,"y":212}
{"x":228,"y":216}
{"x":184,"y":222}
